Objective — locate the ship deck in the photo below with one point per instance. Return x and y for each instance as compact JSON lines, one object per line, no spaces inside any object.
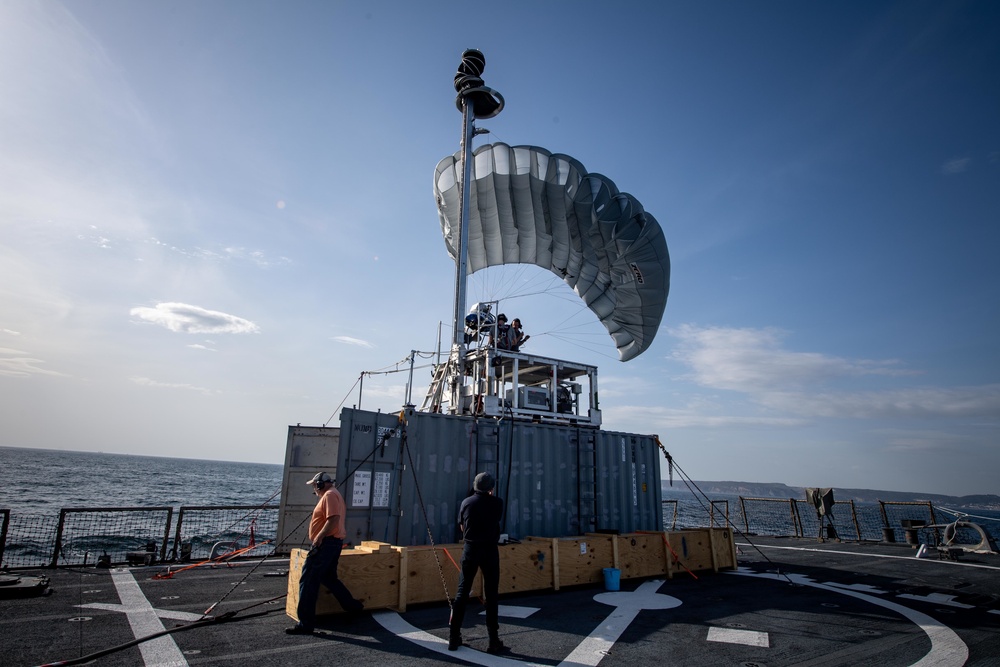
{"x":791,"y":602}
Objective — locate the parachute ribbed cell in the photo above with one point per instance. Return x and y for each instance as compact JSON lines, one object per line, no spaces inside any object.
{"x":529,"y":206}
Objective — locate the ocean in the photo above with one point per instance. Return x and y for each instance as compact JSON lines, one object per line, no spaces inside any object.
{"x":41,"y":481}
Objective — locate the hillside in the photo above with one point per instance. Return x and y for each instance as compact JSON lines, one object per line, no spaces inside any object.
{"x":777,"y":490}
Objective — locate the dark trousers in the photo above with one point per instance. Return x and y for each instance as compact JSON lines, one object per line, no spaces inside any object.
{"x":321,"y":568}
{"x":484,"y":557}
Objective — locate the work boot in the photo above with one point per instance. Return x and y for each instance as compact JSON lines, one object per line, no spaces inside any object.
{"x":495,"y":646}
{"x":454,"y":641}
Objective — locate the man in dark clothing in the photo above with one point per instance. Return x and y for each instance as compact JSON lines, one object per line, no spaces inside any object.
{"x":479,"y":518}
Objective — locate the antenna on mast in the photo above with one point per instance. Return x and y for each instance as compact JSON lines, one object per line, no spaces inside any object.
{"x":475,"y":101}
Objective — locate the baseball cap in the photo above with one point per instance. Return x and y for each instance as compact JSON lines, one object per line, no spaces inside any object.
{"x":484,"y":482}
{"x":320,"y":477}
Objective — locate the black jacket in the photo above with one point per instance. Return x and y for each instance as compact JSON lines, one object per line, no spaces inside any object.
{"x":479,"y":517}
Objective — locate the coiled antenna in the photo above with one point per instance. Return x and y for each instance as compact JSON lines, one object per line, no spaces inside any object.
{"x":484,"y":102}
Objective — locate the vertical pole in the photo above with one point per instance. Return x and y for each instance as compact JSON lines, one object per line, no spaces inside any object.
{"x":409,"y":381}
{"x":176,"y":551}
{"x":166,"y":534}
{"x":59,"y":535}
{"x":468,"y":130}
{"x":458,"y":340}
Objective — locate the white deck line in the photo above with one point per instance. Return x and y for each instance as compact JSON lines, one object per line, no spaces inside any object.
{"x":869,"y":555}
{"x":144,"y":620}
{"x":588,"y":652}
{"x":734,"y":636}
{"x":947,"y":648}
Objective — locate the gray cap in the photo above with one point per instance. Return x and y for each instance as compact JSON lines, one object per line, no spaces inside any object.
{"x":484,"y":482}
{"x":320,"y":477}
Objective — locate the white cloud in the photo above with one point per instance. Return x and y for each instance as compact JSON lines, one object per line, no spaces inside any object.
{"x":670,"y":418}
{"x":146,"y":382}
{"x":10,"y":332}
{"x":750,"y":360}
{"x":753,"y":362}
{"x":353,"y":341}
{"x":919,"y":402}
{"x":15,"y":363}
{"x":184,"y":318}
{"x":255,"y":257}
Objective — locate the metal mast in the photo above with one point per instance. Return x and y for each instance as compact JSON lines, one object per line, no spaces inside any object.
{"x":475,"y":101}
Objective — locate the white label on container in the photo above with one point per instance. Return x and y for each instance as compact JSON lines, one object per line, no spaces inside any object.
{"x":362,"y":488}
{"x":583,"y":548}
{"x":380,"y":490}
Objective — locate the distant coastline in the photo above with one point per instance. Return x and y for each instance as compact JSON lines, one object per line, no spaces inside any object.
{"x":776,"y":490}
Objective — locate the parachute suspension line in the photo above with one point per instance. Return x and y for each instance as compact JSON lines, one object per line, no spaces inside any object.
{"x":344,"y":400}
{"x":596,"y":349}
{"x":699,"y":495}
{"x":404,"y":444}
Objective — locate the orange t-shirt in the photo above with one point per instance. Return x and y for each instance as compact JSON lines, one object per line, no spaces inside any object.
{"x":331,"y":503}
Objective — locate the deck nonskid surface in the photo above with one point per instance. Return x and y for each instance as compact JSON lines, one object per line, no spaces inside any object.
{"x":791,"y":602}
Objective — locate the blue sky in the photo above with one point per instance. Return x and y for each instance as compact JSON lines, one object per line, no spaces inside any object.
{"x":216,"y":215}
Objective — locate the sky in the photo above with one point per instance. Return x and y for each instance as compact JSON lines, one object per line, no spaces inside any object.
{"x":216,"y":216}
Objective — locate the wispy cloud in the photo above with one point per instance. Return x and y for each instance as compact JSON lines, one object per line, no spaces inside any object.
{"x":15,"y":363}
{"x":919,"y":402}
{"x":185,"y":318}
{"x":147,"y":382}
{"x":956,"y":165}
{"x":9,"y":332}
{"x":256,"y":257}
{"x":754,"y":362}
{"x":924,"y":442}
{"x":751,"y":360}
{"x":688,"y":417}
{"x":347,"y":340}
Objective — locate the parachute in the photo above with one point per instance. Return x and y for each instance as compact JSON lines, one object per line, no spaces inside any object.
{"x":530,"y":206}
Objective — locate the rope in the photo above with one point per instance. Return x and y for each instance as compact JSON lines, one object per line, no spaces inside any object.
{"x":672,"y":465}
{"x":225,"y":618}
{"x":423,"y":509}
{"x":962,"y":515}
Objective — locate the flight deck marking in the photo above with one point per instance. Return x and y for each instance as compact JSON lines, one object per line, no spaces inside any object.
{"x":869,"y":555}
{"x":733,"y":636}
{"x":588,"y":653}
{"x":510,"y":611}
{"x":144,"y":621}
{"x":937,"y":598}
{"x":627,"y":607}
{"x":947,"y":648}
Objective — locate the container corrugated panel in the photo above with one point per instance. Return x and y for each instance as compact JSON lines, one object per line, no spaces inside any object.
{"x":309,"y":449}
{"x":406,"y":494}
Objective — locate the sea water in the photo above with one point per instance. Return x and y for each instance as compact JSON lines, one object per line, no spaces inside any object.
{"x":40,"y":481}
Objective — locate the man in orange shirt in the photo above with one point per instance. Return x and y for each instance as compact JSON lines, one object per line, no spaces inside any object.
{"x":326,"y":533}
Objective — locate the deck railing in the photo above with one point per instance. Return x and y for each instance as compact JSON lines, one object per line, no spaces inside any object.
{"x":115,"y":535}
{"x":81,"y":536}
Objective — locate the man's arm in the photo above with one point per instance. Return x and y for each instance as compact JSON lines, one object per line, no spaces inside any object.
{"x":324,"y":531}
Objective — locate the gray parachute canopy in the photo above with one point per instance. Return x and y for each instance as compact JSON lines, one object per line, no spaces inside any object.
{"x":530,"y":206}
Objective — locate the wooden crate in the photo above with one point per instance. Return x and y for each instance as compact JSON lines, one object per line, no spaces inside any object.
{"x":390,"y":577}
